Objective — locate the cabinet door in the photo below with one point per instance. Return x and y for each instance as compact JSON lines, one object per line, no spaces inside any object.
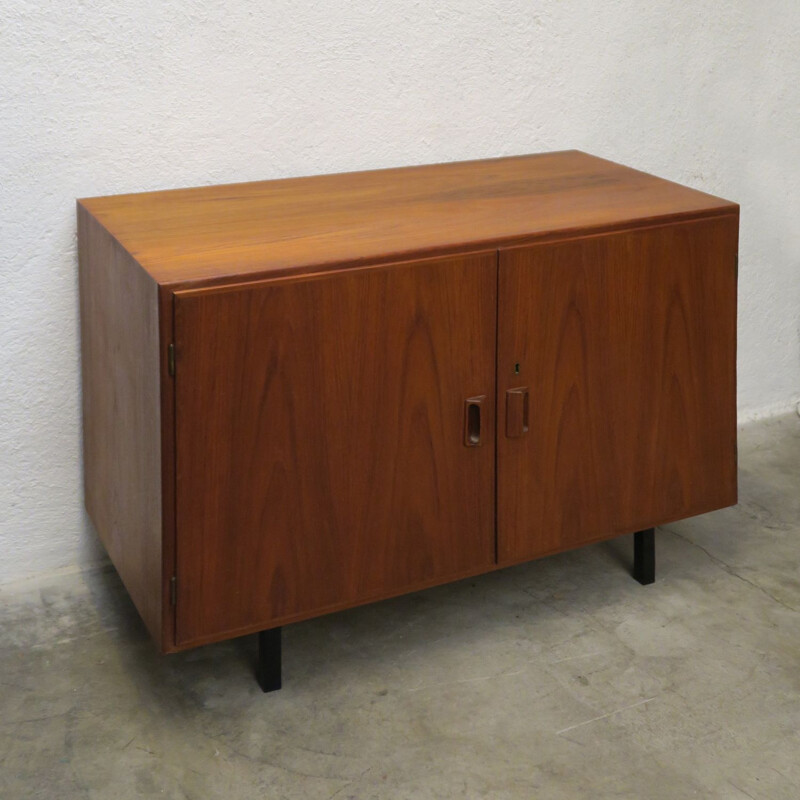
{"x":616,"y":384}
{"x":325,"y":453}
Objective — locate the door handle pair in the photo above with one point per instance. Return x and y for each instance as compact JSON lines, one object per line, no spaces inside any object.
{"x":516,"y":416}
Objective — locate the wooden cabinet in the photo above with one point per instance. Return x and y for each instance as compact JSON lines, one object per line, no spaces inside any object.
{"x":307,"y":394}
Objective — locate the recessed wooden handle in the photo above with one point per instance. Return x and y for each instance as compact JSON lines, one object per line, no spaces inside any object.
{"x":472,"y":420}
{"x":516,"y":412}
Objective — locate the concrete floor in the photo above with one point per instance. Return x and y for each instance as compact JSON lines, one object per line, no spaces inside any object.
{"x":558,"y":679}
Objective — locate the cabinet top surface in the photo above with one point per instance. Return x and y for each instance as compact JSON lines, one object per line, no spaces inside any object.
{"x":296,"y":225}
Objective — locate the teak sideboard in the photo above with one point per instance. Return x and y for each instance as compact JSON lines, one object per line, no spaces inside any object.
{"x":307,"y":394}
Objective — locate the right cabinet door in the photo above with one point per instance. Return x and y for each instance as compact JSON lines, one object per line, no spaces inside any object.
{"x":616,"y":384}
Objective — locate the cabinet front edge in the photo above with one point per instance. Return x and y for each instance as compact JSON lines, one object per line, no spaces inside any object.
{"x":441,"y":251}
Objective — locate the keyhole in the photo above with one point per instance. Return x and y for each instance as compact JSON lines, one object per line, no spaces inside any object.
{"x":516,"y":368}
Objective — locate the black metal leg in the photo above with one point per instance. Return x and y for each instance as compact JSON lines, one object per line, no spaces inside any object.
{"x":644,"y":556}
{"x":268,"y":669}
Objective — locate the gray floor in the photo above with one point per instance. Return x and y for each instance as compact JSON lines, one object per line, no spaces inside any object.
{"x":558,"y":679}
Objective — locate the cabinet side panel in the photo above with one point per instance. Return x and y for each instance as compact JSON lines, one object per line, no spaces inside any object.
{"x":122,"y":413}
{"x":627,"y":345}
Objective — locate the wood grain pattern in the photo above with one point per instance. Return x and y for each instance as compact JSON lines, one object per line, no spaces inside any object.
{"x":627,"y":343}
{"x":320,"y":441}
{"x":122,"y":415}
{"x":270,"y":228}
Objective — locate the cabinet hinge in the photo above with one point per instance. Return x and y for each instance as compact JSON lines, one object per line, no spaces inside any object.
{"x":171,"y":360}
{"x":173,"y":591}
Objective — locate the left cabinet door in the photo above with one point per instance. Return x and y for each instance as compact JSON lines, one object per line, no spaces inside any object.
{"x":326,"y":452}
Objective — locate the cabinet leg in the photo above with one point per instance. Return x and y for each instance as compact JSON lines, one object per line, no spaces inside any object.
{"x":644,"y":556}
{"x":268,"y":669}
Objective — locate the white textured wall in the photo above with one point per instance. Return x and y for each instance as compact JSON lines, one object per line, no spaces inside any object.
{"x":107,"y":97}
